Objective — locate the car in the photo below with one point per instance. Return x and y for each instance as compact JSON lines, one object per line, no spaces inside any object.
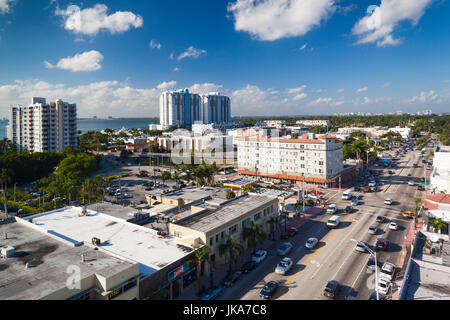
{"x":248,"y":266}
{"x":284,"y":249}
{"x":408,"y":214}
{"x":388,"y":271}
{"x":311,"y":243}
{"x":393,"y":226}
{"x":269,"y":290}
{"x":409,"y":174}
{"x":292,"y":231}
{"x":366,"y":189}
{"x":354,"y":202}
{"x":332,"y":289}
{"x":211,"y":293}
{"x":372,"y":183}
{"x":382,"y":244}
{"x":284,"y":266}
{"x":388,"y":201}
{"x":259,"y":256}
{"x":381,"y":219}
{"x":370,"y":265}
{"x":411,"y":183}
{"x":361,"y":246}
{"x":232,"y":278}
{"x":391,"y":172}
{"x":373,"y":230}
{"x":348,"y":209}
{"x":383,"y":286}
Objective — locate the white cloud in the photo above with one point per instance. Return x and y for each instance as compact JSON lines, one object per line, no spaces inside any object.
{"x":425,"y":97}
{"x":378,"y":27}
{"x":386,"y":85}
{"x":86,"y":61}
{"x":171,"y":57}
{"x":5,"y":6}
{"x":166,"y":85}
{"x":154,"y":44}
{"x":366,"y":100}
{"x":340,"y":90}
{"x":191,"y":52}
{"x":303,"y":47}
{"x":297,"y":90}
{"x":176,"y":69}
{"x":337,"y":103}
{"x":300,"y":96}
{"x":90,"y":21}
{"x":321,"y":101}
{"x":318,"y":90}
{"x":362,"y":89}
{"x":269,"y":20}
{"x":202,"y":88}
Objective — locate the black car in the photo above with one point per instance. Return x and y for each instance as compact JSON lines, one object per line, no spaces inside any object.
{"x":332,"y":289}
{"x":381,"y":219}
{"x":232,"y":278}
{"x":248,"y":266}
{"x":269,"y":289}
{"x":348,"y":209}
{"x":382,"y":244}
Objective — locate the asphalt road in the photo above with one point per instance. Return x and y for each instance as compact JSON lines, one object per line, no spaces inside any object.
{"x":335,"y":257}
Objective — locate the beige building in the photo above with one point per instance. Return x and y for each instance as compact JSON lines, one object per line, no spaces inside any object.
{"x":42,"y":266}
{"x":214,"y":221}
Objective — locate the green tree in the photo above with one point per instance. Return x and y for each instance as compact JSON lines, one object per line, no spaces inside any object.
{"x":230,"y":195}
{"x":272,"y":222}
{"x":247,"y":188}
{"x":165,"y":175}
{"x":254,"y":235}
{"x":77,"y":167}
{"x":201,"y":255}
{"x":437,"y":223}
{"x":232,"y":249}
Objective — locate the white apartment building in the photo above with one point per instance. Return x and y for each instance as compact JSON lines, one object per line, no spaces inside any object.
{"x":440,"y":177}
{"x":183,"y":109}
{"x":310,"y":123}
{"x":43,"y":127}
{"x":310,"y":158}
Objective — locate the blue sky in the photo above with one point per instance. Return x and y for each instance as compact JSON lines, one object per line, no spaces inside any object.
{"x":285,"y":57}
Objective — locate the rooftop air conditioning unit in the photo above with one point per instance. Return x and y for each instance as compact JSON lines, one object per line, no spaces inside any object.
{"x":7,"y":252}
{"x":96,"y":241}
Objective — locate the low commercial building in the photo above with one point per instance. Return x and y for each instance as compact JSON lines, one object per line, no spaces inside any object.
{"x":214,"y":221}
{"x":309,"y":123}
{"x":39,"y":264}
{"x":440,"y":177}
{"x":437,"y":206}
{"x":311,"y":158}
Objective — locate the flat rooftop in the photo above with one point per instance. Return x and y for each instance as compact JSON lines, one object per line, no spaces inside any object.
{"x":429,"y":274}
{"x":113,"y":210}
{"x":216,"y":215}
{"x":118,"y":237}
{"x":195,"y":193}
{"x":49,"y":259}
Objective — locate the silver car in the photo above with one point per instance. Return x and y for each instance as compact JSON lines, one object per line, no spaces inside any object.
{"x":361,"y":246}
{"x":284,"y":249}
{"x":284,"y":266}
{"x":373,"y":230}
{"x":311,"y":243}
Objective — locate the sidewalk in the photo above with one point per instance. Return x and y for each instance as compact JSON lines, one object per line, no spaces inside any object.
{"x":222,"y":269}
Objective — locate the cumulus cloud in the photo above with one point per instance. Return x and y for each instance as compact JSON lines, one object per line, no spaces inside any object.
{"x":269,"y":20}
{"x":300,"y":96}
{"x":297,"y":90}
{"x":321,"y":101}
{"x":303,"y":47}
{"x":379,"y":24}
{"x":191,"y":52}
{"x":318,"y":90}
{"x":386,"y":85}
{"x":154,"y":44}
{"x":91,"y":21}
{"x":166,"y":85}
{"x":5,"y":6}
{"x":362,"y":89}
{"x":202,"y":88}
{"x":425,"y":97}
{"x":340,"y":90}
{"x":86,"y":61}
{"x":176,"y":69}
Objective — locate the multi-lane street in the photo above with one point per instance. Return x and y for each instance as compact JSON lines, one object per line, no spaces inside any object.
{"x":335,"y":257}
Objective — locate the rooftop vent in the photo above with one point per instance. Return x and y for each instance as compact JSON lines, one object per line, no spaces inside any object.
{"x":7,"y":252}
{"x":96,"y":241}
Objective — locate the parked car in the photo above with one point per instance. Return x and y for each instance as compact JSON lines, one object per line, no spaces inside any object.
{"x":388,"y":271}
{"x":388,"y":201}
{"x":354,"y":202}
{"x":371,"y":265}
{"x":269,"y":290}
{"x":382,"y":244}
{"x":284,"y":266}
{"x":211,"y":293}
{"x":361,"y":246}
{"x":373,"y":230}
{"x":332,"y":289}
{"x":232,"y":278}
{"x":348,"y":209}
{"x":248,"y":266}
{"x":292,"y":231}
{"x":259,"y":256}
{"x":311,"y":243}
{"x":393,"y":226}
{"x":383,"y":286}
{"x":284,"y":249}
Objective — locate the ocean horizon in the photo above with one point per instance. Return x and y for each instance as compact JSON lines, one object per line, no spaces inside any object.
{"x":86,"y":125}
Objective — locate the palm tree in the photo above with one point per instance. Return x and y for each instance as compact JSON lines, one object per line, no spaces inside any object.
{"x":233,"y":249}
{"x":165,"y":176}
{"x":254,"y":235}
{"x":416,"y":209}
{"x":200,"y":255}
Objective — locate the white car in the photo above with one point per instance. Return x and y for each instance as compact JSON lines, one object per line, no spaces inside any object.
{"x":393,"y":226}
{"x":284,"y":266}
{"x":311,"y":243}
{"x":387,"y":271}
{"x":259,"y":256}
{"x":411,"y":183}
{"x":383,"y":286}
{"x":388,"y":201}
{"x":373,"y":230}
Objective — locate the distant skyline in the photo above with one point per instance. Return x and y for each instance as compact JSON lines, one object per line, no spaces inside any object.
{"x":290,"y":57}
